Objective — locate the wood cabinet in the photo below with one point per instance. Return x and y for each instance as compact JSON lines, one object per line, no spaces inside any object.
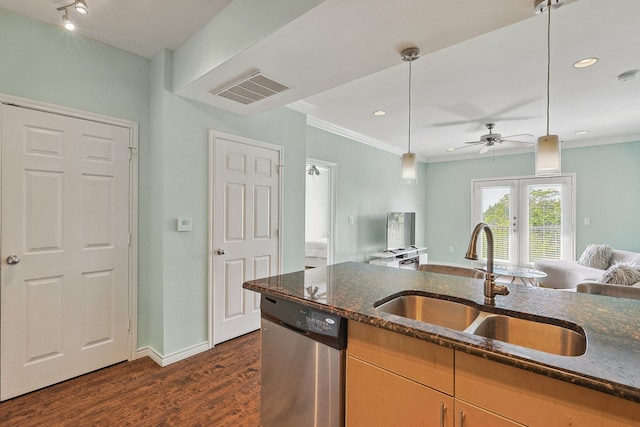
{"x":467,"y":415}
{"x":393,"y":380}
{"x":377,"y":397}
{"x":537,"y":400}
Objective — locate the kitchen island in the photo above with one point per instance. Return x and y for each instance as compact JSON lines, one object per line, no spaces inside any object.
{"x":515,"y":384}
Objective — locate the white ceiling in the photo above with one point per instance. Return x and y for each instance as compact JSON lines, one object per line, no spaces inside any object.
{"x":483,"y":61}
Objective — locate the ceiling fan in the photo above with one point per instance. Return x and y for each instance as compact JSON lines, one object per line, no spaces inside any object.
{"x":489,"y":140}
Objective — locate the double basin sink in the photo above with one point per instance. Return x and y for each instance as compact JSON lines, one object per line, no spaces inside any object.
{"x":465,"y":316}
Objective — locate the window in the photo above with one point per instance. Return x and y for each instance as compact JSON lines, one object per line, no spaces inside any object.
{"x":531,"y":218}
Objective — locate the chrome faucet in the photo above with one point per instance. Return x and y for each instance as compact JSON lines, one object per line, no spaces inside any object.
{"x":490,"y":287}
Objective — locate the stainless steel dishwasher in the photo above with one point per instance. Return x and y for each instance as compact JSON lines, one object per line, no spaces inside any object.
{"x":303,"y":366}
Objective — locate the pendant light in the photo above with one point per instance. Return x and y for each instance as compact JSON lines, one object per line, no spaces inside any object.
{"x":548,"y":146}
{"x":409,"y":164}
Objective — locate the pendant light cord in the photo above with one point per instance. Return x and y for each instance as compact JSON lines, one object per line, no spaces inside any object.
{"x":410,"y":61}
{"x":548,"y":59}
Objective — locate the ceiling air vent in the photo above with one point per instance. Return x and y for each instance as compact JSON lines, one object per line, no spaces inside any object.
{"x":251,"y":89}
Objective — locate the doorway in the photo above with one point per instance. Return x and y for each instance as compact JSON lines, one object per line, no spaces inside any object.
{"x":320,"y":216}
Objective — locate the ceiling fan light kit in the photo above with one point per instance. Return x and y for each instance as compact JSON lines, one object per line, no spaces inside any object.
{"x":547,"y":156}
{"x":409,"y":163}
{"x":491,"y":139}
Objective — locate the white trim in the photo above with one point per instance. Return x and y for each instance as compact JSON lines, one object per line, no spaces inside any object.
{"x":303,"y":107}
{"x":355,"y":136}
{"x":213,"y":135}
{"x":66,"y":111}
{"x":332,"y":225}
{"x":133,"y":193}
{"x":174,"y":357}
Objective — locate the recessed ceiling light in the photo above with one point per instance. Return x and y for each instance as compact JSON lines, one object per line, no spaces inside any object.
{"x":379,"y":113}
{"x":582,"y":132}
{"x":586,"y":62}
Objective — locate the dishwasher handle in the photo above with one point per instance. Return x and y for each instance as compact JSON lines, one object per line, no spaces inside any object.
{"x":293,"y":328}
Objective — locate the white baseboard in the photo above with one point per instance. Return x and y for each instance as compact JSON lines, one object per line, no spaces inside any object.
{"x":176,"y":356}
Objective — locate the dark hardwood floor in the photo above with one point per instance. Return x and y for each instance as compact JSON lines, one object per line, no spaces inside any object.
{"x":219,"y":387}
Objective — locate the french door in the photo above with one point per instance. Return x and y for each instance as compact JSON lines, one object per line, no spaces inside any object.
{"x":531,"y":218}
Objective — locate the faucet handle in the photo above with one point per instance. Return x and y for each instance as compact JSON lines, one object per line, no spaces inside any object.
{"x":500,"y":290}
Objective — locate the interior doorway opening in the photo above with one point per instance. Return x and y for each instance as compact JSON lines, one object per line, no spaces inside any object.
{"x":320,"y":194}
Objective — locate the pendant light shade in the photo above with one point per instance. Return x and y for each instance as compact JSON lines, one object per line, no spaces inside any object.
{"x":548,"y":146}
{"x":409,"y":163}
{"x":409,"y":168}
{"x":548,"y":155}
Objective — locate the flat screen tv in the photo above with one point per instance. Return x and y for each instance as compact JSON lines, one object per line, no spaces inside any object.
{"x":401,"y":230}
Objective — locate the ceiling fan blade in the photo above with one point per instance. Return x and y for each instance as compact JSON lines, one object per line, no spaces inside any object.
{"x":465,"y":146}
{"x":519,"y":142}
{"x":473,"y":142}
{"x":519,"y":134}
{"x":484,"y":149}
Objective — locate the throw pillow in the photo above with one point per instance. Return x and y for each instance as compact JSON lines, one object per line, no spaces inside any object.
{"x":621,"y":274}
{"x":596,"y":256}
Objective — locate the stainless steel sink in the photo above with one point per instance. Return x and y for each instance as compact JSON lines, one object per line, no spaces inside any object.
{"x":450,"y":314}
{"x":536,"y":335}
{"x":532,"y":334}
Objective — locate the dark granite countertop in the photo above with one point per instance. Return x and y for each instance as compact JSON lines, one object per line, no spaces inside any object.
{"x":611,"y":363}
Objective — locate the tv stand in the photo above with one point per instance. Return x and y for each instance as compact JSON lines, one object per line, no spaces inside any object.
{"x":409,"y":257}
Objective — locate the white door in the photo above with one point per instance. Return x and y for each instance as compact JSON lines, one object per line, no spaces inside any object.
{"x":245,"y":225}
{"x":65,"y":208}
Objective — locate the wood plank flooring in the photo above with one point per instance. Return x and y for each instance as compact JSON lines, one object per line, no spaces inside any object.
{"x":219,"y":387}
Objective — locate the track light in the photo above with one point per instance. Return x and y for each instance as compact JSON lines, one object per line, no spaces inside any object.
{"x":67,"y":23}
{"x":80,"y":6}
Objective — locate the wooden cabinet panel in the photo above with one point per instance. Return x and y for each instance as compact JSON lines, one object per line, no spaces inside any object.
{"x":536,"y":400}
{"x":426,"y":363}
{"x":467,"y":415}
{"x":376,"y":397}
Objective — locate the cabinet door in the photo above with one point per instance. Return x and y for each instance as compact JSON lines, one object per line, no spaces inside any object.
{"x":376,"y":397}
{"x":467,"y":415}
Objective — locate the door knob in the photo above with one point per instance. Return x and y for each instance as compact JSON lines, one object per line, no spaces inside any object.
{"x":13,"y":259}
{"x":221,"y":251}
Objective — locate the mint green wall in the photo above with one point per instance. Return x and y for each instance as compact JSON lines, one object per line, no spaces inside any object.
{"x":607,"y":192}
{"x":49,"y":64}
{"x":180,"y":128}
{"x":606,"y":177}
{"x":368,"y":186}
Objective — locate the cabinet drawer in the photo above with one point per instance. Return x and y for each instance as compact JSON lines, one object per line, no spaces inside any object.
{"x":376,"y":397}
{"x":423,"y":362}
{"x":536,"y":400}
